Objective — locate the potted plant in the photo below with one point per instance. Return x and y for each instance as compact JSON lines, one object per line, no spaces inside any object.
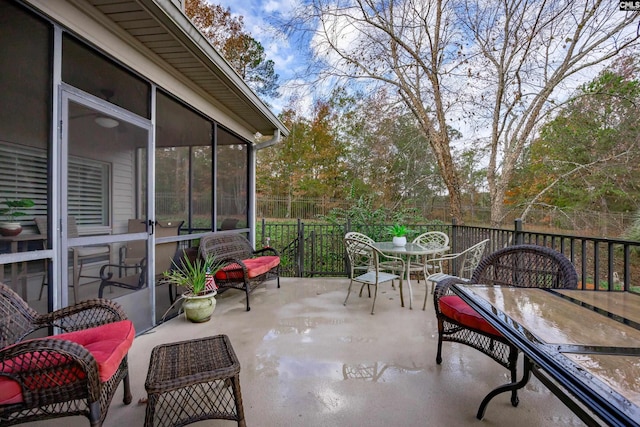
{"x":11,"y":227}
{"x":197,"y":278}
{"x":399,"y":234}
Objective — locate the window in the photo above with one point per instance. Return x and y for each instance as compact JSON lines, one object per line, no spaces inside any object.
{"x":88,"y":192}
{"x":23,"y":174}
{"x":87,"y":69}
{"x":184,"y":155}
{"x":232,"y":158}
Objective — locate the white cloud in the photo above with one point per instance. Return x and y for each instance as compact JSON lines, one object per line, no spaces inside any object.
{"x":299,"y":90}
{"x":256,"y":16}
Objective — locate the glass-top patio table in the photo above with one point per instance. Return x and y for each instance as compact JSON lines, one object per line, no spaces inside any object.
{"x":583,"y":345}
{"x":409,"y":249}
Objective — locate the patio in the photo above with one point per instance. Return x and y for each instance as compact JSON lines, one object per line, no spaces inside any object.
{"x":307,"y":360}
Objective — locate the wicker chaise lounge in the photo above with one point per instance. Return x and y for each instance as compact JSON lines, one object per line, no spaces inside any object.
{"x":243,"y":267}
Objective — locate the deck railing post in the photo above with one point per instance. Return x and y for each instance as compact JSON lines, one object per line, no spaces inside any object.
{"x":454,"y":236}
{"x":454,"y":243}
{"x":345,"y":258}
{"x":300,"y":260}
{"x":518,"y":235}
{"x":312,"y":247}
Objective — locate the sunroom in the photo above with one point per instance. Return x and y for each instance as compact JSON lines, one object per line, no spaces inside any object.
{"x":131,"y":135}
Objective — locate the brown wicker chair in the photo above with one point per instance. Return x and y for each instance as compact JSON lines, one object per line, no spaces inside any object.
{"x":243,"y":267}
{"x":55,"y":376}
{"x":520,"y":266}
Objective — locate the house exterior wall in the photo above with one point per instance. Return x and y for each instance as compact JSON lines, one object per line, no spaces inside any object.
{"x":121,"y":152}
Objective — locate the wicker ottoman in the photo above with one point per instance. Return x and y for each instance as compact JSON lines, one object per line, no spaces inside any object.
{"x":193,"y":380}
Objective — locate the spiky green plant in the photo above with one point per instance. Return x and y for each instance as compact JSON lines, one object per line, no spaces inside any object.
{"x":397,"y":230}
{"x":192,"y":275}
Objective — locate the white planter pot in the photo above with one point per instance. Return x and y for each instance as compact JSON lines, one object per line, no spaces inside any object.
{"x":199,"y":308}
{"x":400,"y":241}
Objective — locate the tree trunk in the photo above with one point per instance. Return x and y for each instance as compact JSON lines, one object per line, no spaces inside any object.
{"x":450,"y":178}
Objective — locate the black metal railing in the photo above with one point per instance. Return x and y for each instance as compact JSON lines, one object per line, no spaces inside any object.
{"x":312,"y":249}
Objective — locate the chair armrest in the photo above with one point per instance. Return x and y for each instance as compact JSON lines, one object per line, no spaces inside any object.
{"x":46,"y":367}
{"x":395,"y":259}
{"x":443,"y":288}
{"x":446,"y":257}
{"x":106,"y":274}
{"x":224,"y":261}
{"x":84,"y":315}
{"x":264,"y":251}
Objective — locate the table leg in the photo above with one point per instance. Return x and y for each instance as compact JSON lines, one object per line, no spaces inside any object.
{"x":507,"y":387}
{"x":409,"y":282}
{"x":15,"y":273}
{"x":24,"y":281}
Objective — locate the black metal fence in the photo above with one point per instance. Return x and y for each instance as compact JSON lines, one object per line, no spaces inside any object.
{"x":315,"y":249}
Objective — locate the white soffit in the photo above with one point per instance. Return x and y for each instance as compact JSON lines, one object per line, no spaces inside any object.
{"x":162,"y":28}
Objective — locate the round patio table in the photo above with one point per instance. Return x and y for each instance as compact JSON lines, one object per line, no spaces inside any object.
{"x":409,"y":249}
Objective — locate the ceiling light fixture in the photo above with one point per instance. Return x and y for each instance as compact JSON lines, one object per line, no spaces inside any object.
{"x":106,"y":122}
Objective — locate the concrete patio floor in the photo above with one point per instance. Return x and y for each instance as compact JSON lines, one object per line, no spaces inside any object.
{"x":307,"y":360}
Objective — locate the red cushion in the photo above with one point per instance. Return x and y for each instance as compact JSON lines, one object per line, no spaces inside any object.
{"x":255,"y":267}
{"x":108,"y":344}
{"x":455,"y":308}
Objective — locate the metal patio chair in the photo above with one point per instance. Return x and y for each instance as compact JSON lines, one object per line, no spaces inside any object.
{"x":431,"y":240}
{"x":132,"y":263}
{"x":385,"y":265}
{"x":79,"y":254}
{"x":366,"y":267}
{"x":461,"y":265}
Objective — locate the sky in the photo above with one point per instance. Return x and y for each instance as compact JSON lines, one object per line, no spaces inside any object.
{"x":257,"y":19}
{"x":289,"y":60}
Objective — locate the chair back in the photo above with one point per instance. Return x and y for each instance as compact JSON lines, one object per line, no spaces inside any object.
{"x":354,"y":235}
{"x":41,"y":223}
{"x":165,"y":252}
{"x":359,"y":236}
{"x":526,"y":266}
{"x":136,"y":249}
{"x":432,"y":240}
{"x":470,"y":258}
{"x":225,"y":245}
{"x":229,"y":224}
{"x":72,"y":225}
{"x":17,"y":319}
{"x":362,"y":256}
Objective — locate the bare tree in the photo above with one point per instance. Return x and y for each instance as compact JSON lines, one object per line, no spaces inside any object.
{"x":491,"y":70}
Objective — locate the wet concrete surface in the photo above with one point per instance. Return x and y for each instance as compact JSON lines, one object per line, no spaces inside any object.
{"x":307,"y":360}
